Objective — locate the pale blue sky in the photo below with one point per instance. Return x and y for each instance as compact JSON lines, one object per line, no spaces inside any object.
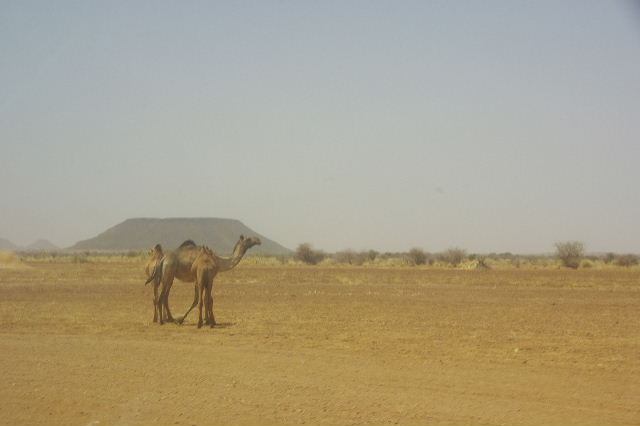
{"x":489,"y":125}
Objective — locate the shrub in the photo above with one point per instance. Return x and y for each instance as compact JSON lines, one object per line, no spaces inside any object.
{"x":7,"y":257}
{"x":417,"y":256}
{"x":79,"y":259}
{"x":308,"y":255}
{"x":586,"y":264}
{"x":482,"y":263}
{"x":350,"y":257}
{"x":627,"y":260}
{"x":372,"y":255}
{"x":570,"y":253}
{"x":609,"y":257}
{"x":453,"y":256}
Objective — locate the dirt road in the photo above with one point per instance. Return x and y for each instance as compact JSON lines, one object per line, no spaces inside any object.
{"x":322,"y":346}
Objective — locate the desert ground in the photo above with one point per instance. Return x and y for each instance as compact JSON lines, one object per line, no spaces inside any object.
{"x":321,"y":345}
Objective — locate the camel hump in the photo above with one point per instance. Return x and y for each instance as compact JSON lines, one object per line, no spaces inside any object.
{"x":187,"y":243}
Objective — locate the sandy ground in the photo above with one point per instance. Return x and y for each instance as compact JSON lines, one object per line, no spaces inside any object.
{"x":322,"y":346}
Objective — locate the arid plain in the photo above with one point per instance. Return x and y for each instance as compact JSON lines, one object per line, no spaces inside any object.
{"x":321,"y":345}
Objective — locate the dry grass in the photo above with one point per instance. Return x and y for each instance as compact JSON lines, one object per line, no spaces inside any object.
{"x":7,"y":257}
{"x":322,"y":345}
{"x":9,"y":260}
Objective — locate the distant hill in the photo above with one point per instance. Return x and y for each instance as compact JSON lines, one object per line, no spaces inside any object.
{"x":143,"y":233}
{"x":41,"y":245}
{"x":7,"y":245}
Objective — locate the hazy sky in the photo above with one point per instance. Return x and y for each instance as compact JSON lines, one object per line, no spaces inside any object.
{"x":493,"y":126}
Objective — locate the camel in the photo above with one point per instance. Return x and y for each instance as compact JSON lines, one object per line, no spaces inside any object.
{"x":178,"y":263}
{"x":205,"y":269}
{"x":155,"y":256}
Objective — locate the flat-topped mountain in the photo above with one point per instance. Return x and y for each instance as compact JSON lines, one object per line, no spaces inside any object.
{"x":143,"y":233}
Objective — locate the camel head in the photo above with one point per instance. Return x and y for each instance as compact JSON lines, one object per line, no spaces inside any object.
{"x":155,"y":259}
{"x":155,"y":251}
{"x":245,"y":243}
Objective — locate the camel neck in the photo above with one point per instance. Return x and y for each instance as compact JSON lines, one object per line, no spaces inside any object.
{"x":226,"y":263}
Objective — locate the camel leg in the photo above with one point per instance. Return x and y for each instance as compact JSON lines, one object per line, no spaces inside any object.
{"x":200,"y":302}
{"x":160,"y":307}
{"x":169,"y":317}
{"x":193,"y":305}
{"x":165,"y":286}
{"x":212,"y":319}
{"x":165,"y":304}
{"x":155,"y":301}
{"x":207,"y":318}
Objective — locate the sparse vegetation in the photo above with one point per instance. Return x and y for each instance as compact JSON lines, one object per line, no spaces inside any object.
{"x":365,"y":258}
{"x":306,"y":254}
{"x":570,"y":253}
{"x":350,"y":257}
{"x":453,"y":256}
{"x":627,"y":260}
{"x":482,"y":263}
{"x":8,"y":257}
{"x":417,"y":256}
{"x":586,"y":263}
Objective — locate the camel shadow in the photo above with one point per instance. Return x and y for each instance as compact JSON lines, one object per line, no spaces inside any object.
{"x":180,"y":322}
{"x":224,"y":325}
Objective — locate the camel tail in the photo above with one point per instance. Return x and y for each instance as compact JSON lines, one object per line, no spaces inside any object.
{"x":157,"y":272}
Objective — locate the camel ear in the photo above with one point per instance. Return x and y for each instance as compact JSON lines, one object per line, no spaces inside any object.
{"x":241,"y":237}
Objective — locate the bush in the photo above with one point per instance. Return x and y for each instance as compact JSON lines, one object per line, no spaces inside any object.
{"x":482,"y":263}
{"x":350,"y":257}
{"x":585,"y":263}
{"x":308,"y":255}
{"x":627,"y":260}
{"x":7,"y":257}
{"x":80,"y":259}
{"x":609,"y":257}
{"x":417,"y":256}
{"x":570,"y":253}
{"x":453,"y":256}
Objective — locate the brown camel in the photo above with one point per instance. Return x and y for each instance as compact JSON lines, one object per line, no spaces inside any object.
{"x":177,"y":264}
{"x":155,"y":256}
{"x":153,"y":268}
{"x":205,"y":269}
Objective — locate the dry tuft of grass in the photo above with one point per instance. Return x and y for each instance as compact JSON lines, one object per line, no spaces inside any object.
{"x":9,"y":260}
{"x":7,"y":257}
